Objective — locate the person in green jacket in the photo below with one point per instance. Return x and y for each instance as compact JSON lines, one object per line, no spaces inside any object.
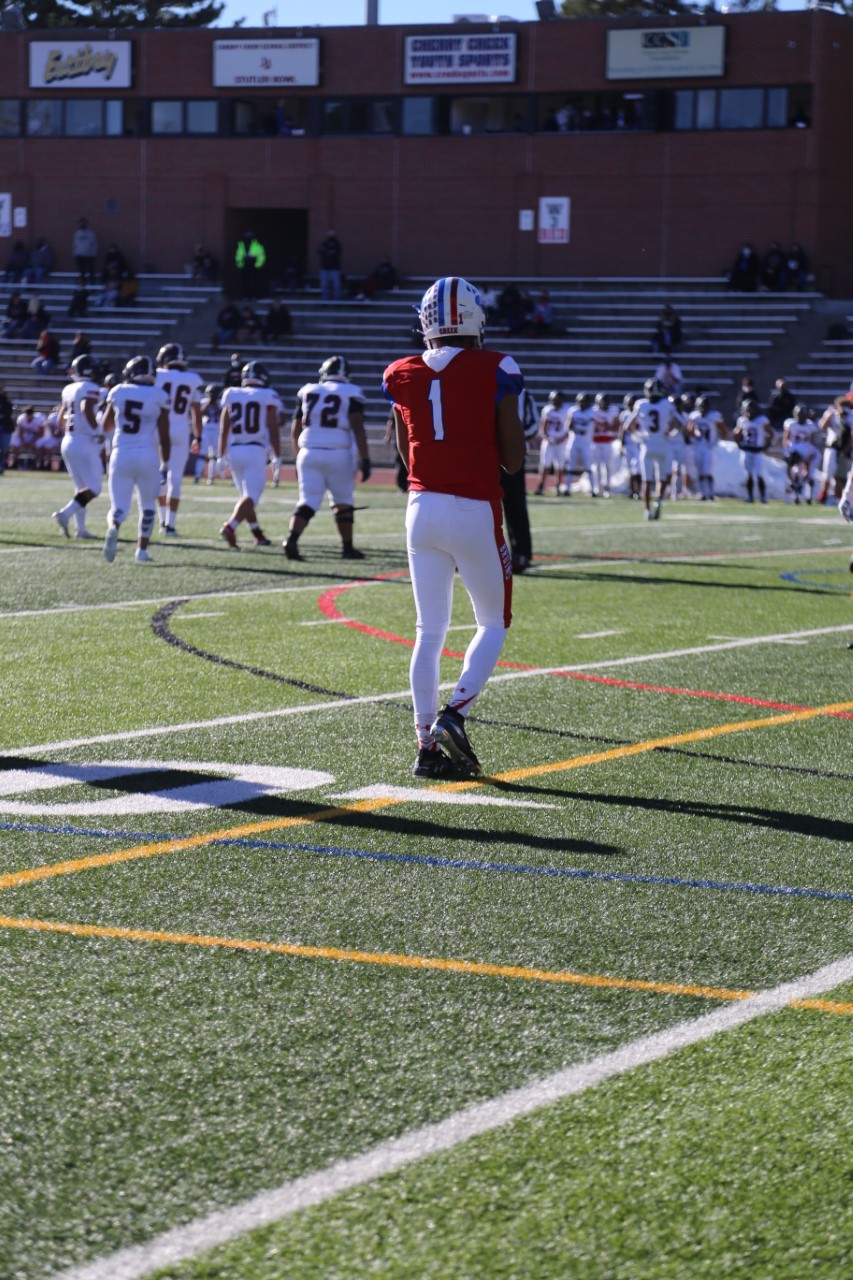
{"x":250,"y":258}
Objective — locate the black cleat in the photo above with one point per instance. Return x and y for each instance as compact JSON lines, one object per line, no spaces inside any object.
{"x":449,"y":732}
{"x":292,"y":551}
{"x":435,"y":764}
{"x":349,"y":552}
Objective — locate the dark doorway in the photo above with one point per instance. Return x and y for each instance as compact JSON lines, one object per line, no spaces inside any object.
{"x":284,"y":236}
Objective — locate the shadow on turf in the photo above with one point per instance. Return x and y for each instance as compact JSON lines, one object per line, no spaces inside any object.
{"x":647,"y":580}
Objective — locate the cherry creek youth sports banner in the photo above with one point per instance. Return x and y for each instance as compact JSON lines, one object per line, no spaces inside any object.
{"x":488,"y":58}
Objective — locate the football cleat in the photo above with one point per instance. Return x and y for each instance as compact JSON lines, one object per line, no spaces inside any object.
{"x":349,"y":552}
{"x":170,"y":531}
{"x":260,"y":540}
{"x":62,"y":520}
{"x":449,"y":732}
{"x":656,"y":511}
{"x":291,"y":550}
{"x":229,"y":535}
{"x":435,"y":764}
{"x":86,"y":535}
{"x":110,"y":544}
{"x":845,"y":509}
{"x":142,"y":556}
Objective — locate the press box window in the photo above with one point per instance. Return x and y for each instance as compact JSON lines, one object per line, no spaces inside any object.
{"x":84,"y":118}
{"x":44,"y":118}
{"x":167,"y":117}
{"x":741,"y":108}
{"x":202,"y":117}
{"x":418,"y":116}
{"x":10,"y":118}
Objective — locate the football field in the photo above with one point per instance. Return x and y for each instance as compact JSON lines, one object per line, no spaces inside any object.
{"x":273,"y":1009}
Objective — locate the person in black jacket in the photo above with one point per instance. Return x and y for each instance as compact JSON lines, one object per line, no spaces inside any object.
{"x":7,"y":426}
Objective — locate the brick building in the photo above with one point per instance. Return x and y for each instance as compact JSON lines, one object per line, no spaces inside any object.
{"x":673,"y":142}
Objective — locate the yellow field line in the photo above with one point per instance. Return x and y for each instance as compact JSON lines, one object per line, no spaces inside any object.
{"x":16,"y":879}
{"x":392,"y":960}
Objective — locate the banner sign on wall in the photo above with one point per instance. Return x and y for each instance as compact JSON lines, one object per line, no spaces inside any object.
{"x":460,"y":59}
{"x":658,"y":53}
{"x":270,"y":63}
{"x":5,"y":213}
{"x":554,"y":219}
{"x":67,"y":64}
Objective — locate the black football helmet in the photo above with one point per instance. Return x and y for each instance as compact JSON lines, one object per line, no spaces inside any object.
{"x":703,"y":404}
{"x":583,"y":400}
{"x":334,"y":369}
{"x":555,"y":397}
{"x":212,"y":391}
{"x":653,"y":389}
{"x":83,"y":368}
{"x":171,"y":356}
{"x":602,"y":400}
{"x":255,"y":374}
{"x":139,"y":369}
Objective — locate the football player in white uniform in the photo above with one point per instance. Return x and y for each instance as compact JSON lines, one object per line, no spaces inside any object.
{"x":799,"y":441}
{"x":654,"y":419}
{"x":604,"y":432}
{"x":554,"y":434}
{"x":137,"y":416}
{"x":630,"y":443}
{"x":580,"y":421}
{"x":248,"y":429}
{"x":707,"y":427}
{"x":327,"y":420}
{"x":28,"y":428}
{"x":81,"y":444}
{"x":211,"y":408}
{"x":184,"y":388}
{"x":753,"y":434}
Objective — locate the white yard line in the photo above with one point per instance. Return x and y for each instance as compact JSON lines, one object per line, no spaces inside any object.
{"x":129,"y":735}
{"x":195,"y":1238}
{"x":596,"y":635}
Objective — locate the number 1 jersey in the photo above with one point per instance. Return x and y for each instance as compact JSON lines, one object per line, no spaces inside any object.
{"x":448,"y":399}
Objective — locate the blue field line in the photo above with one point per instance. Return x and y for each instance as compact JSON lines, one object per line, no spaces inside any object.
{"x":457,"y":864}
{"x":805,"y":578}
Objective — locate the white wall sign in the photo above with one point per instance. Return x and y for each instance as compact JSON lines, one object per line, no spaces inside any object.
{"x":239,"y":63}
{"x":19,"y":215}
{"x":554,"y":219}
{"x":526,"y":219}
{"x":66,"y":64}
{"x":460,"y":59}
{"x":662,"y":52}
{"x":5,"y":213}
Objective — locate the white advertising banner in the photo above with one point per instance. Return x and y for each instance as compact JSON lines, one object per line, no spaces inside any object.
{"x":67,"y":64}
{"x":554,"y":219}
{"x":460,"y":59}
{"x":5,"y":213}
{"x":661,"y":52}
{"x":265,"y":63}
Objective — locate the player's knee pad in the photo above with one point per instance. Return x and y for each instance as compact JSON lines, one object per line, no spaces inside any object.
{"x":344,"y":515}
{"x":304,"y":512}
{"x":146,"y":523}
{"x":84,"y":497}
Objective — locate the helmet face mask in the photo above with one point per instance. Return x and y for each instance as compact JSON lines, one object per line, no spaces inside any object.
{"x":653,"y":389}
{"x":555,"y":397}
{"x":452,"y":308}
{"x":335,"y":369}
{"x":83,"y":368}
{"x":171,"y":356}
{"x":139,"y":369}
{"x":255,"y":374}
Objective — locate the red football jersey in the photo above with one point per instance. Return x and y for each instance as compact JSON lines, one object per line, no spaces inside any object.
{"x":448,"y":398}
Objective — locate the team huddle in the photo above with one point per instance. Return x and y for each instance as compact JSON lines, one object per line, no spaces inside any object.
{"x":672,"y":441}
{"x":144,"y":428}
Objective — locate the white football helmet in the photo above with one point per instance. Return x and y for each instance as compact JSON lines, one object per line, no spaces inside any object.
{"x":452,"y":307}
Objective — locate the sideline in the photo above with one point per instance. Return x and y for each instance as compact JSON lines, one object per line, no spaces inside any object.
{"x":189,"y":1241}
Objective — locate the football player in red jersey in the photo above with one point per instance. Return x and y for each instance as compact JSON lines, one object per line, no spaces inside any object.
{"x":457,"y":424}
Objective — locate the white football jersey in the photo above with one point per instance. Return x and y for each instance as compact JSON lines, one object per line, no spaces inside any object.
{"x":324,"y":410}
{"x":73,"y":395}
{"x":137,"y":406}
{"x":581,"y":421}
{"x":553,"y":423}
{"x":707,"y":425}
{"x":801,"y":432}
{"x":184,"y":389}
{"x":248,"y":412}
{"x":754,"y":433}
{"x":656,"y":418}
{"x":29,"y":429}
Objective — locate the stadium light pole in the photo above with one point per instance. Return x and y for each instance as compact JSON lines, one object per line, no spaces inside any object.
{"x":372,"y":16}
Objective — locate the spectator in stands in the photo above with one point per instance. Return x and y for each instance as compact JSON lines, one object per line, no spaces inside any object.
{"x":250,"y":259}
{"x":37,"y":318}
{"x":41,"y":262}
{"x":329,"y":252}
{"x":515,"y":306}
{"x":109,"y":295}
{"x":489,"y":298}
{"x":745,"y":270}
{"x":746,"y":392}
{"x":16,"y":263}
{"x":84,"y":249}
{"x":542,"y":317}
{"x":773,"y":268}
{"x":79,"y":304}
{"x":204,"y":267}
{"x":227,"y":324}
{"x":128,"y":289}
{"x":114,"y":263}
{"x":249,"y":328}
{"x":277,"y":322}
{"x":7,"y":420}
{"x":233,"y":375}
{"x":667,"y":335}
{"x":382,"y":279}
{"x":16,"y":316}
{"x":797,"y":273}
{"x":47,"y":352}
{"x":81,"y":346}
{"x":668,"y":374}
{"x":780,"y":404}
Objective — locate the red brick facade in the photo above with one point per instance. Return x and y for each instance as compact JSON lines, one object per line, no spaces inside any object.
{"x":643,"y":203}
